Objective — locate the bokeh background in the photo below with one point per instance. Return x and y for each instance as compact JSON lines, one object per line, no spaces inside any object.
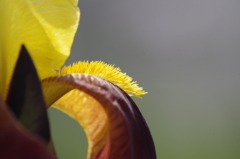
{"x":185,"y":53}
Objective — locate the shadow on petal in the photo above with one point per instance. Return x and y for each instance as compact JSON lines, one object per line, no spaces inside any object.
{"x":114,"y":126}
{"x":25,"y":99}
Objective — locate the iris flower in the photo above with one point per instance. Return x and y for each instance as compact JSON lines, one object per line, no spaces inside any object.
{"x":35,"y":40}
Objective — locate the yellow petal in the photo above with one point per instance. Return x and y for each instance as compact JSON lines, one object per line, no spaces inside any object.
{"x":47,"y":29}
{"x":80,"y":106}
{"x":112,"y":122}
{"x":92,"y":117}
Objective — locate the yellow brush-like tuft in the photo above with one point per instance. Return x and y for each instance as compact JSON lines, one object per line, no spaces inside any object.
{"x":107,"y":72}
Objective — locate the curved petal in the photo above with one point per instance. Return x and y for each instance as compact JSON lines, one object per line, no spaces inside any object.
{"x":114,"y":126}
{"x":46,"y":27}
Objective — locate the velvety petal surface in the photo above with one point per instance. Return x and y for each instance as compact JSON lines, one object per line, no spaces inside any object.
{"x":15,"y":142}
{"x":114,"y":126}
{"x":46,"y":27}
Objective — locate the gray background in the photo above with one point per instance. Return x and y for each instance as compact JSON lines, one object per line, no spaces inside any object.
{"x":185,"y":53}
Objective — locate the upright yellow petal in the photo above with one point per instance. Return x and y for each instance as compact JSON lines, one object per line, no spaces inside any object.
{"x":47,"y":29}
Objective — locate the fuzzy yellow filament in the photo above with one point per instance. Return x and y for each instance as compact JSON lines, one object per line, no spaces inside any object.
{"x":107,"y":72}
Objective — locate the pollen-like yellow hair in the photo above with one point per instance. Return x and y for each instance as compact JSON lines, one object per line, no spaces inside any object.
{"x":107,"y":72}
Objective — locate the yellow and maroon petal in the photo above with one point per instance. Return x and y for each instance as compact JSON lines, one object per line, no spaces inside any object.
{"x":114,"y":126}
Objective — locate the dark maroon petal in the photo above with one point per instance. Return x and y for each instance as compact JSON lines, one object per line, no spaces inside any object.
{"x":127,"y":136}
{"x":15,"y":142}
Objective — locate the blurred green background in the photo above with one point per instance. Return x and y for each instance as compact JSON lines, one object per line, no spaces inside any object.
{"x":185,"y":53}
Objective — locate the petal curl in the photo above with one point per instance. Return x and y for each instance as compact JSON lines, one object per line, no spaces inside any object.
{"x":46,"y":27}
{"x":114,"y":126}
